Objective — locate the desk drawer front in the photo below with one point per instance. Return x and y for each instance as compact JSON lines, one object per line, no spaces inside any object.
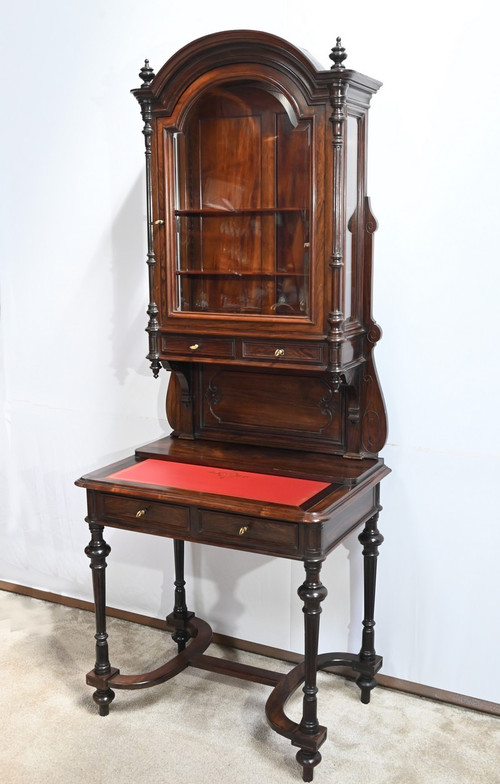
{"x":306,"y":354}
{"x":248,"y":532}
{"x":198,"y":346}
{"x":144,"y":515}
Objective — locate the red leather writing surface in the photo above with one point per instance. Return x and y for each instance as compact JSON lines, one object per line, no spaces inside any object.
{"x":222,"y":481}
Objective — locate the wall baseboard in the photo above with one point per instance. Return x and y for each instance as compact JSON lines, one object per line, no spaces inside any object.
{"x":386,"y":681}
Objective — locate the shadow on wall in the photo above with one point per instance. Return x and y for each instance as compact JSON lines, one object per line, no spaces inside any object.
{"x":130,"y":288}
{"x":223,"y":574}
{"x":129,"y":339}
{"x":240,"y":594}
{"x":355,"y":560}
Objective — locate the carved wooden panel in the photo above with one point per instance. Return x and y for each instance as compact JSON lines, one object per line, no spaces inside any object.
{"x":292,"y":408}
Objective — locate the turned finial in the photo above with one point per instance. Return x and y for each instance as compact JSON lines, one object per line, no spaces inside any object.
{"x":338,"y":55}
{"x":146,"y":74}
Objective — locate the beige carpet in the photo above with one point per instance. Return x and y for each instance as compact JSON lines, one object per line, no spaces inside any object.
{"x":201,"y":728}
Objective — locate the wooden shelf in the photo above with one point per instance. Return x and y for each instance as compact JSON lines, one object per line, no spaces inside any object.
{"x":209,"y":212}
{"x":233,"y":274}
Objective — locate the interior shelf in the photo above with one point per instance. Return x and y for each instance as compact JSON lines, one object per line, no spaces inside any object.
{"x":234,"y":274}
{"x":209,"y":212}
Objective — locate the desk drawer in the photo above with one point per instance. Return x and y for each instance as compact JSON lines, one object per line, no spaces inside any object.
{"x":143,"y":515}
{"x":301,"y":353}
{"x":248,"y":532}
{"x":197,"y":346}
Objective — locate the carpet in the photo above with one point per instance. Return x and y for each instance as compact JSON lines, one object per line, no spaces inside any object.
{"x":203,"y":728}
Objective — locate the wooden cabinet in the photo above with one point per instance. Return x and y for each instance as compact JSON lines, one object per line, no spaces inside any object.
{"x":259,"y":259}
{"x":260,"y":241}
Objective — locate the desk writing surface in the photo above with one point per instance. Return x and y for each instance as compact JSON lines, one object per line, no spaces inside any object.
{"x":221,"y":481}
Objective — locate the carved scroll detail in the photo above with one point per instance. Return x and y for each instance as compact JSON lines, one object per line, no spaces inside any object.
{"x":326,"y":407}
{"x":180,"y":400}
{"x":213,"y":396}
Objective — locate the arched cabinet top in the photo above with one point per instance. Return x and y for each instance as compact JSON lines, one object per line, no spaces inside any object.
{"x":246,"y":54}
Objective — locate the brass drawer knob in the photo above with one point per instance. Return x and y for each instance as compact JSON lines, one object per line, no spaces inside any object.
{"x":140,"y":513}
{"x":194,"y":346}
{"x":243,"y":530}
{"x":159,"y":223}
{"x":280,"y":352}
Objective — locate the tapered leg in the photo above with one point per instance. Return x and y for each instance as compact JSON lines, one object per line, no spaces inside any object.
{"x":180,"y":613}
{"x":97,"y":550}
{"x":371,"y":539}
{"x":312,"y":592}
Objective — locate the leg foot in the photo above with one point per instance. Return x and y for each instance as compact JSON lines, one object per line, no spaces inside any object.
{"x":366,"y":683}
{"x":103,"y":699}
{"x":308,"y":760}
{"x":97,"y":550}
{"x":371,"y":539}
{"x":181,"y":614}
{"x":312,"y":592}
{"x":181,"y":637}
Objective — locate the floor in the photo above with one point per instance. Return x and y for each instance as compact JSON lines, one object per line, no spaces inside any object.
{"x":202,"y":728}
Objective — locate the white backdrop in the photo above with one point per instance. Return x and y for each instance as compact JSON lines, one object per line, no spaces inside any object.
{"x":77,"y":392}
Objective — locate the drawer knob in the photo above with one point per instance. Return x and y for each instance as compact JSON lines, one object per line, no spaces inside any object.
{"x":159,"y":223}
{"x":280,"y":352}
{"x":194,"y":346}
{"x":243,"y":530}
{"x":140,"y":513}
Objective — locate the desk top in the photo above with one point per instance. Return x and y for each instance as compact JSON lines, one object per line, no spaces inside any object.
{"x":263,"y":482}
{"x":221,"y":481}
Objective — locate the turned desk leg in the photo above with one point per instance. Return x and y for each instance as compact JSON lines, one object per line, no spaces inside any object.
{"x":312,"y":592}
{"x":180,"y":614}
{"x":97,"y":550}
{"x":371,"y":539}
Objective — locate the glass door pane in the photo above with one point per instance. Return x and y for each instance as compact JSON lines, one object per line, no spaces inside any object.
{"x":243,"y":199}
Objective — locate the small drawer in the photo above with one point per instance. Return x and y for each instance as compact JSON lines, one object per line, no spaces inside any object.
{"x":303,"y":353}
{"x":265,"y":535}
{"x":193,"y":346}
{"x":142,"y":514}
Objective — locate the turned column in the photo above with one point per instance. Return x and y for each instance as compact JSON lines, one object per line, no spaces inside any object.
{"x":312,"y":592}
{"x":97,"y":550}
{"x":371,"y":539}
{"x":180,"y":615}
{"x":144,"y":97}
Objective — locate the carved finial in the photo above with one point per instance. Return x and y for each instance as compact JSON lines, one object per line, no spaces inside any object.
{"x":146,"y":74}
{"x":338,"y":55}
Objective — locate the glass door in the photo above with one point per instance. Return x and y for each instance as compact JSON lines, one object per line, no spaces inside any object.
{"x":243,"y":206}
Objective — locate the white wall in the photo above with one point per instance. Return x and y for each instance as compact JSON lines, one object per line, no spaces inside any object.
{"x":77,"y":392}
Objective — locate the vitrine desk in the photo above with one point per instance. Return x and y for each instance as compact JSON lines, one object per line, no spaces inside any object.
{"x":259,"y":254}
{"x":263,"y":501}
